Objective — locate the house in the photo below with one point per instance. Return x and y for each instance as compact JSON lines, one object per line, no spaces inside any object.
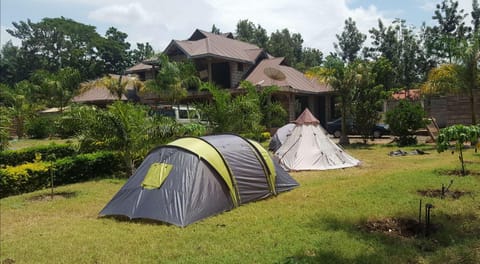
{"x":225,"y":61}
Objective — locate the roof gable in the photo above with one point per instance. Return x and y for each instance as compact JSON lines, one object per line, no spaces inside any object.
{"x":205,"y":44}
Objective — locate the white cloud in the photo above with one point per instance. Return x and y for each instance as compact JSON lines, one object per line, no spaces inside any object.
{"x":158,"y":22}
{"x":121,"y":14}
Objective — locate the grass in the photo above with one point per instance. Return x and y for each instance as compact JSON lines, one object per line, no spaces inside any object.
{"x":25,"y":143}
{"x":319,"y":222}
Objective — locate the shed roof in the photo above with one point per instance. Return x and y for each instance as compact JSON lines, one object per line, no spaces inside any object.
{"x":140,"y":67}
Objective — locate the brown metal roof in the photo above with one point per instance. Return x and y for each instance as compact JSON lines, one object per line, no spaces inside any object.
{"x":101,"y":94}
{"x":96,"y":94}
{"x":213,"y":45}
{"x":306,"y":118}
{"x":293,"y":79}
{"x":140,"y":67}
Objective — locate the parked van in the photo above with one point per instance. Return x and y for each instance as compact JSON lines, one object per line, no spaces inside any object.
{"x":183,"y":114}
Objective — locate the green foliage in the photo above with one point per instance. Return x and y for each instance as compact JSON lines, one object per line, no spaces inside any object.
{"x":173,"y":80}
{"x":5,"y":123}
{"x":23,"y":178}
{"x":342,"y":78}
{"x":456,"y":136}
{"x":406,"y":118}
{"x":193,"y":129}
{"x":123,"y":127}
{"x":368,"y":99}
{"x":40,"y":127}
{"x":25,"y":155}
{"x":350,"y":41}
{"x":248,"y":32}
{"x":36,"y":175}
{"x":241,"y":114}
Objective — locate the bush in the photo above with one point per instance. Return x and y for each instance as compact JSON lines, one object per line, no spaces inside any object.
{"x":48,"y":152}
{"x":404,"y":120}
{"x":40,"y":127}
{"x":24,"y":178}
{"x":87,"y":166}
{"x":33,"y":176}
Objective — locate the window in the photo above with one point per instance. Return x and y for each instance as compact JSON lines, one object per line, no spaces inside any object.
{"x":240,"y":67}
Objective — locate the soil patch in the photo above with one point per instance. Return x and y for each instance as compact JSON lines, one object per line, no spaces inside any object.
{"x":455,"y":194}
{"x":56,"y":196}
{"x":458,"y":173}
{"x":398,"y":227}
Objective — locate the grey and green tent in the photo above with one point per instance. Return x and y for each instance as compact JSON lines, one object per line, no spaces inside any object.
{"x":193,"y":178}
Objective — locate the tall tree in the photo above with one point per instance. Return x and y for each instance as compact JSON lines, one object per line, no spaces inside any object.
{"x":475,"y":16}
{"x":342,"y":78}
{"x":215,"y":30}
{"x":399,"y":45}
{"x":13,"y":67}
{"x":143,"y":52}
{"x":368,"y":97}
{"x":284,"y":44}
{"x":115,"y":51}
{"x":449,"y":31}
{"x":350,"y":41}
{"x":248,"y":32}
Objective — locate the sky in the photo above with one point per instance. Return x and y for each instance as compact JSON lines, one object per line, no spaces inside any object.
{"x":160,"y":21}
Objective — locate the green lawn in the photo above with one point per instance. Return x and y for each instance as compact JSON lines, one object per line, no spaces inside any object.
{"x":319,"y":222}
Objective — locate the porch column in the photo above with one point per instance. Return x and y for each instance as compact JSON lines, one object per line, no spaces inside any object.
{"x":291,"y":107}
{"x":209,"y":63}
{"x":328,"y":107}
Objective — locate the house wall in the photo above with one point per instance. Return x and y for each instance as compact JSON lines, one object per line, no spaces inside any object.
{"x":236,"y":74}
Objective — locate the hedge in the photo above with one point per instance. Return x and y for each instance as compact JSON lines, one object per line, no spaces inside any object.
{"x":34,"y":176}
{"x":27,"y":155}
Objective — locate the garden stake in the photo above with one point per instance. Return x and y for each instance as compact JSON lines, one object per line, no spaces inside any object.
{"x":443,"y":191}
{"x":420,"y":212}
{"x":428,"y":207}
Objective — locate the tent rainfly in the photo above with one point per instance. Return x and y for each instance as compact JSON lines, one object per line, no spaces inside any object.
{"x":309,"y":148}
{"x":280,"y":136}
{"x":193,"y":178}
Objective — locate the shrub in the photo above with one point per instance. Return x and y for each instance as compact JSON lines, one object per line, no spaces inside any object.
{"x":87,"y":166}
{"x":404,"y":120}
{"x":23,"y":178}
{"x":16,"y":157}
{"x":194,"y":129}
{"x":40,"y":127}
{"x":33,"y":176}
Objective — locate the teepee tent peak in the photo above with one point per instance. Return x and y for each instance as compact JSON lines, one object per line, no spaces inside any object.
{"x":307,"y":118}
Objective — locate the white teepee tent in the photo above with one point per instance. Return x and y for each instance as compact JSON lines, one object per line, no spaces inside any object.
{"x":309,"y":148}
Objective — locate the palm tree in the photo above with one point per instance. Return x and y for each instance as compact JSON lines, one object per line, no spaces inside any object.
{"x":116,"y":85}
{"x":342,"y":78}
{"x":173,"y":79}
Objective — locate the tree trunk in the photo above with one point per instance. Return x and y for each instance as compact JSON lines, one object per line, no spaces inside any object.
{"x":344,"y":140}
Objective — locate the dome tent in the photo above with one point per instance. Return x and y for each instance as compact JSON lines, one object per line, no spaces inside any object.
{"x":192,"y":178}
{"x":309,"y":148}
